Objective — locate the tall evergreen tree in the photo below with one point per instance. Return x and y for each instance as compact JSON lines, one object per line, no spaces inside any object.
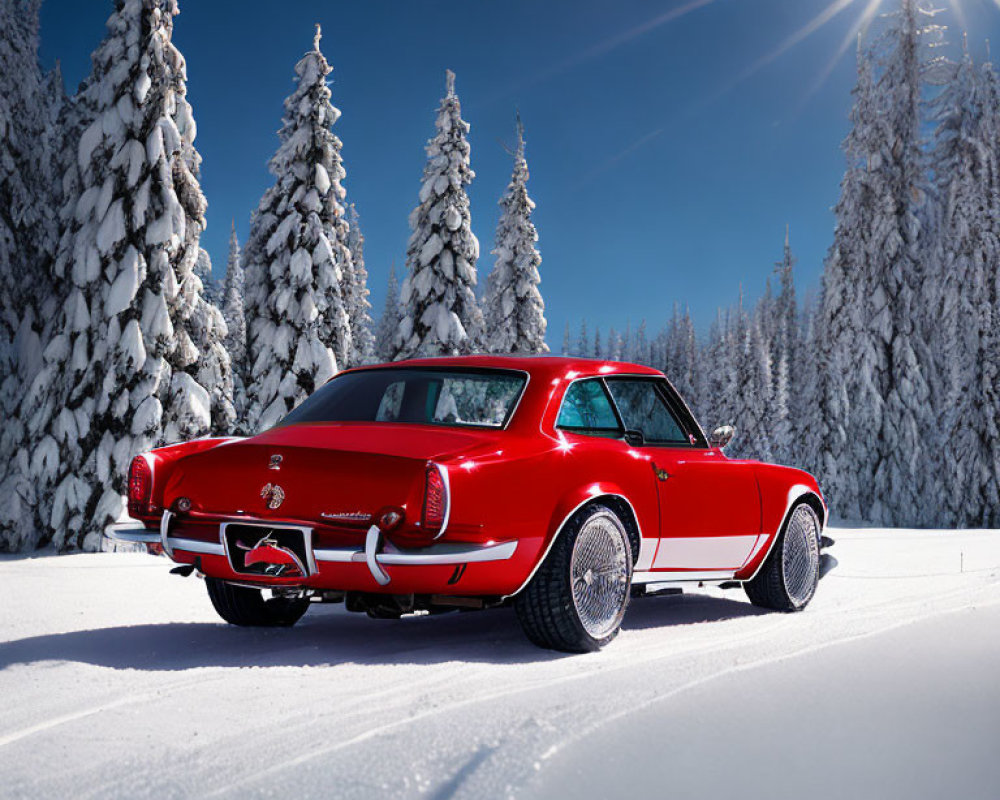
{"x":30,"y":159}
{"x":359,"y":308}
{"x":232,"y":303}
{"x":583,"y":343}
{"x":566,"y":346}
{"x":896,"y":285}
{"x":513,"y":308}
{"x":234,"y":312}
{"x":113,"y":376}
{"x":441,"y":315}
{"x":298,"y":328}
{"x":785,"y":354}
{"x":989,"y":313}
{"x":846,"y":396}
{"x":388,"y":323}
{"x":965,"y":160}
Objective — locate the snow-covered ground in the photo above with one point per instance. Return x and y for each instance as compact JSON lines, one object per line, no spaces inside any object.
{"x":117,"y":679}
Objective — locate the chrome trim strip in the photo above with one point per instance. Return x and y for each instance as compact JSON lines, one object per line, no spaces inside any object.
{"x":339,"y":555}
{"x":436,"y":554}
{"x":165,"y":533}
{"x":675,"y":576}
{"x":197,"y":546}
{"x":372,"y":540}
{"x":443,"y":471}
{"x":452,"y":554}
{"x":131,"y":532}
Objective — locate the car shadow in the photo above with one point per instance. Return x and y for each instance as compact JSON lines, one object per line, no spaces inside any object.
{"x":328,"y":636}
{"x":685,"y":609}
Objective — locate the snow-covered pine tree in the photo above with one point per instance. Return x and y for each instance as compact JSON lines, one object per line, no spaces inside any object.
{"x":895,"y":286}
{"x":965,"y":161}
{"x":598,"y":347}
{"x":132,"y":241}
{"x":583,"y":343}
{"x":232,"y":302}
{"x":30,"y":160}
{"x":388,"y":323}
{"x":753,"y":370}
{"x":199,"y":325}
{"x":720,"y":403}
{"x":989,"y":310}
{"x":513,"y":308}
{"x":613,"y":350}
{"x":847,"y":400}
{"x":641,"y":345}
{"x":785,"y":351}
{"x":441,"y":315}
{"x":298,"y":329}
{"x":20,"y":129}
{"x":566,"y":345}
{"x":233,"y":290}
{"x":681,"y":358}
{"x":359,"y":308}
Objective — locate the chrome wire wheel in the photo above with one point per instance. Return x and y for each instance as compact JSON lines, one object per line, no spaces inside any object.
{"x":800,"y":555}
{"x":599,"y":574}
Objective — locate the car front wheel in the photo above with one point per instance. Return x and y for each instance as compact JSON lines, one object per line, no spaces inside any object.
{"x":577,"y":599}
{"x":788,"y":578}
{"x":241,"y":605}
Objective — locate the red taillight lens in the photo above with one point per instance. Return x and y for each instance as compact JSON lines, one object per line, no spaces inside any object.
{"x":435,"y":498}
{"x":140,"y":486}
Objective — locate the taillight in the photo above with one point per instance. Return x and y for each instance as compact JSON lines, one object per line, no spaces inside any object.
{"x":435,"y":498}
{"x":140,"y":486}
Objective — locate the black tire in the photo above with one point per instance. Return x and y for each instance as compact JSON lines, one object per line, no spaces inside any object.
{"x":549,"y":609}
{"x":787,"y":580}
{"x":240,"y":605}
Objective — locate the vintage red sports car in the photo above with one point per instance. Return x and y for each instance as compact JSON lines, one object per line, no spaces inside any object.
{"x":561,"y":485}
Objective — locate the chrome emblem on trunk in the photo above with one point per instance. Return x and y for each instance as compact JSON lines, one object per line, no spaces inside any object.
{"x":275,"y":462}
{"x":273,"y":494}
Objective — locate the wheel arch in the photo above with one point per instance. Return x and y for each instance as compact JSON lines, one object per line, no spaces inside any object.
{"x":612,"y":497}
{"x":797,"y":495}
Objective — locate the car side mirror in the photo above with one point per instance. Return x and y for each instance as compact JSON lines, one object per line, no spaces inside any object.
{"x":722,"y":436}
{"x":634,"y":438}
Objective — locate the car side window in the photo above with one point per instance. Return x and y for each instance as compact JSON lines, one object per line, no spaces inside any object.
{"x":587,"y":409}
{"x":643,"y":408}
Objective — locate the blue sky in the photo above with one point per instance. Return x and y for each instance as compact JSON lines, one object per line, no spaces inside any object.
{"x":669,"y":142}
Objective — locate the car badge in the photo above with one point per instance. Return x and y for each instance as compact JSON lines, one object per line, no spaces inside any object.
{"x":269,"y":556}
{"x":275,"y":462}
{"x":273,"y":494}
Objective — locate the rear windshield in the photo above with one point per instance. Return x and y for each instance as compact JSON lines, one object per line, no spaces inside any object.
{"x":420,"y":396}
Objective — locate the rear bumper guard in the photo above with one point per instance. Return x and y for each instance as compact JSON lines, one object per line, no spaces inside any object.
{"x":376,"y":553}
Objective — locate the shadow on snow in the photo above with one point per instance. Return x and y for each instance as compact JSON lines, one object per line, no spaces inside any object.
{"x":328,"y":636}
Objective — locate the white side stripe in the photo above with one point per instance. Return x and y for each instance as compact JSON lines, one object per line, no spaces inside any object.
{"x":704,"y":552}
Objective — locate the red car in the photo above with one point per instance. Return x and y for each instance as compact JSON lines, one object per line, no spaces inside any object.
{"x":560,"y":485}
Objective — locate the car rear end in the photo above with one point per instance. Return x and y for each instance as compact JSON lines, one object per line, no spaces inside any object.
{"x":342,"y":506}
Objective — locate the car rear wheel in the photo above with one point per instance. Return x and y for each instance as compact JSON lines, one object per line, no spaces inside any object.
{"x":577,"y":599}
{"x":788,"y":578}
{"x":240,"y":605}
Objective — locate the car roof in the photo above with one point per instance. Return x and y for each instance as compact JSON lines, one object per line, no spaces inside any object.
{"x":536,"y":366}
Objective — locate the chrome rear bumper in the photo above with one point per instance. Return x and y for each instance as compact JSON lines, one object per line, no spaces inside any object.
{"x":375,"y":554}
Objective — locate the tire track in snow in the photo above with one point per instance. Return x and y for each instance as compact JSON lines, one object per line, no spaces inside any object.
{"x":738,"y":668}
